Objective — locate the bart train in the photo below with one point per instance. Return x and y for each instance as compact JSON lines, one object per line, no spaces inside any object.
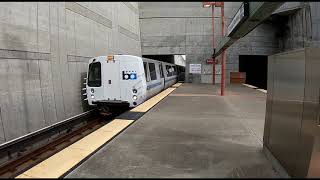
{"x":126,"y":80}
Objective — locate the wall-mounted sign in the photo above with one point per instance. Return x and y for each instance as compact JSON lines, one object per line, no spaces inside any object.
{"x":195,"y":68}
{"x":218,"y":69}
{"x":210,"y":61}
{"x":239,"y":17}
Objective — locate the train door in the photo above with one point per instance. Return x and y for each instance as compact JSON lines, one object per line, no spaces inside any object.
{"x":112,"y":80}
{"x":161,"y":76}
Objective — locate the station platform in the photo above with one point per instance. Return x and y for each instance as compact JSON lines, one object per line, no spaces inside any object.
{"x":192,"y":132}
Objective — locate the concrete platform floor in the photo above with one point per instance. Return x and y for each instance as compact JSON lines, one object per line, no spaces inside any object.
{"x":193,"y":132}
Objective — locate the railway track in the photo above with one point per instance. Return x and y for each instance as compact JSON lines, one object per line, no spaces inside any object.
{"x":20,"y":156}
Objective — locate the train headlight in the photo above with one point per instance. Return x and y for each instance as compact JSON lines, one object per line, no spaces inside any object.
{"x":135,"y":97}
{"x":92,"y":90}
{"x":92,"y":96}
{"x":134,"y":90}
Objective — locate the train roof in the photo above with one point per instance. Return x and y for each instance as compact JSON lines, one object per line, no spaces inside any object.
{"x":143,"y":58}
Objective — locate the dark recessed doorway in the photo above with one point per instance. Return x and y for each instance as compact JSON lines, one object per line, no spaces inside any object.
{"x":256,"y":68}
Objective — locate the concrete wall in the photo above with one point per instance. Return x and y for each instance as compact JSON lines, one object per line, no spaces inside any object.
{"x":186,"y":28}
{"x":301,"y":28}
{"x":44,"y":50}
{"x":314,"y":9}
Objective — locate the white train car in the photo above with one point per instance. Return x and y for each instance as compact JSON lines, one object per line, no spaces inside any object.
{"x":126,"y":80}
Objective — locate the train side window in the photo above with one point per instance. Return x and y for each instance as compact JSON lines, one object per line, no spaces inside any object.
{"x":174,"y":70}
{"x":168,"y":70}
{"x":161,"y":70}
{"x":146,"y":71}
{"x":153,"y":73}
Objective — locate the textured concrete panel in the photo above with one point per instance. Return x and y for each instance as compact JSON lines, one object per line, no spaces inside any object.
{"x":4,"y":98}
{"x":102,"y":8}
{"x":128,"y":33}
{"x":101,"y":40}
{"x":183,"y":9}
{"x":16,"y":111}
{"x":16,"y":103}
{"x":128,"y":18}
{"x":163,"y":50}
{"x":18,"y":26}
{"x":47,"y":93}
{"x":17,"y":54}
{"x":72,"y":58}
{"x":128,"y":44}
{"x":4,"y":76}
{"x":43,"y":27}
{"x":2,"y":132}
{"x":132,"y":6}
{"x":172,"y":9}
{"x":56,"y":75}
{"x":75,"y":88}
{"x":199,"y":40}
{"x":71,"y":39}
{"x":198,"y":26}
{"x":84,"y":11}
{"x":84,"y":35}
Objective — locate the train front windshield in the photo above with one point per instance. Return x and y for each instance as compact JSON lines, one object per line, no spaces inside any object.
{"x":94,"y":77}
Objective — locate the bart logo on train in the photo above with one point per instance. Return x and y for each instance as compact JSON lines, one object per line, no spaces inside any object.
{"x":128,"y":76}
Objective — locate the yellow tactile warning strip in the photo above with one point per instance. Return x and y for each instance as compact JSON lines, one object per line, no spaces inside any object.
{"x":61,"y":162}
{"x":144,"y":107}
{"x":176,"y":85}
{"x":262,"y":90}
{"x":254,"y":87}
{"x":250,"y":86}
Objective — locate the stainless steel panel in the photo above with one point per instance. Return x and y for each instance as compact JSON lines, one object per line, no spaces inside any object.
{"x":268,"y":119}
{"x":310,"y":130}
{"x":286,"y":114}
{"x":292,"y":131}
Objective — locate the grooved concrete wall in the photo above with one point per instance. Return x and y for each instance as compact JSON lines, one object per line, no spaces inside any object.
{"x":186,"y":28}
{"x":44,"y":50}
{"x":302,"y":28}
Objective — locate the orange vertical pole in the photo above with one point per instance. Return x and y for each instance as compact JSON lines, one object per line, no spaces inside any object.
{"x":223,"y":62}
{"x":213,"y":46}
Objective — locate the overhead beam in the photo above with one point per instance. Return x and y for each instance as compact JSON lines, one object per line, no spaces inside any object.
{"x":258,"y":12}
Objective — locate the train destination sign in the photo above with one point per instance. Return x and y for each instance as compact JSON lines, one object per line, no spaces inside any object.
{"x":241,"y":15}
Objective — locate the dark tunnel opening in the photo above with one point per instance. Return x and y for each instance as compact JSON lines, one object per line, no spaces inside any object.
{"x":163,"y":58}
{"x":256,"y":68}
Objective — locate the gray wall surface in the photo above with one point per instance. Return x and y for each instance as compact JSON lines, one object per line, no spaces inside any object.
{"x":44,"y":50}
{"x":186,"y":28}
{"x":302,"y":27}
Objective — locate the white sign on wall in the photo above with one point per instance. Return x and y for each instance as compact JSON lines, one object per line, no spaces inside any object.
{"x":195,"y":68}
{"x":218,"y":69}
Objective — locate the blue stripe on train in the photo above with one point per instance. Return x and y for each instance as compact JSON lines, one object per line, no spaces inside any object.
{"x":153,"y":85}
{"x":171,"y":79}
{"x":157,"y":84}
